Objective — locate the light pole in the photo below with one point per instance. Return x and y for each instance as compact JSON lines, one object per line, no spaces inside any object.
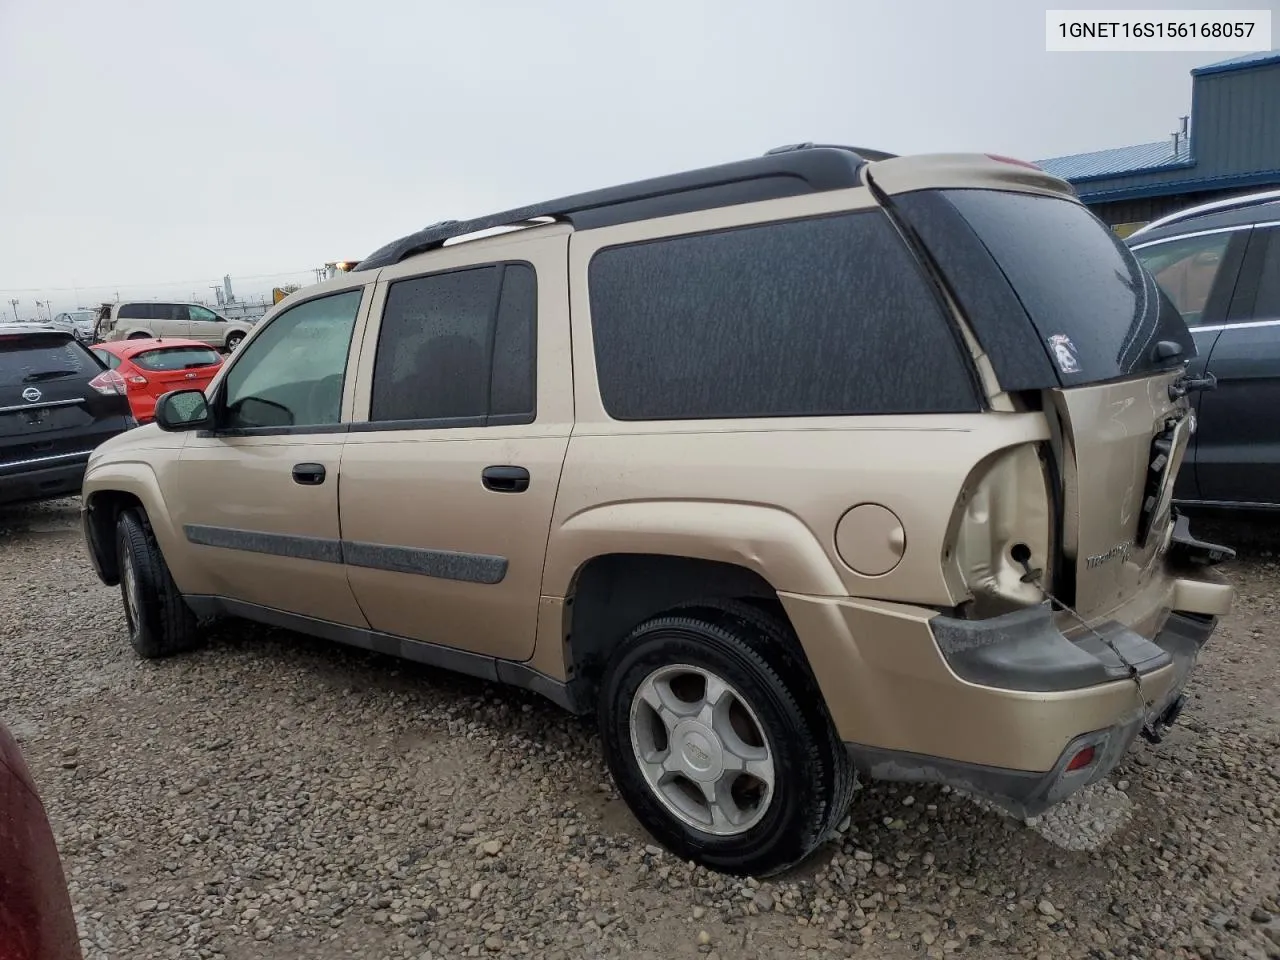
{"x":14,"y":303}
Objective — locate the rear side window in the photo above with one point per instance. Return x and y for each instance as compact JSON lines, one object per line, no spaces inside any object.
{"x":1267,"y":304}
{"x":32,"y":358}
{"x":175,"y":358}
{"x":135,"y":311}
{"x":818,"y":317}
{"x":1186,"y":270}
{"x":1095,"y":312}
{"x":107,"y":357}
{"x":458,"y":346}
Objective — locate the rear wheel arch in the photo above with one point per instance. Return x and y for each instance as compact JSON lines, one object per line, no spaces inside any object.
{"x":612,"y":594}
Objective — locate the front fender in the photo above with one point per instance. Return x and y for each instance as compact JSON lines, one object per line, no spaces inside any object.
{"x":110,"y":485}
{"x":768,"y":541}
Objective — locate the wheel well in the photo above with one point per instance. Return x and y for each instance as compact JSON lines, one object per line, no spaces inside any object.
{"x":104,"y":509}
{"x":615,"y":593}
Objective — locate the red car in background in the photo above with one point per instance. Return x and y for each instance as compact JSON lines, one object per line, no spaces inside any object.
{"x":151,"y":367}
{"x":36,"y":918}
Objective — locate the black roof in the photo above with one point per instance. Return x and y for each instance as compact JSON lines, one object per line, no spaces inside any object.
{"x":1237,"y":212}
{"x":24,"y":327}
{"x":783,"y":172}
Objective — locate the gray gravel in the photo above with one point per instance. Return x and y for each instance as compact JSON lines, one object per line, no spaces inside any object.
{"x":277,"y":797}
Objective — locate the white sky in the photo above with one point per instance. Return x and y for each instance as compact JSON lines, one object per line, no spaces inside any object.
{"x":150,"y":147}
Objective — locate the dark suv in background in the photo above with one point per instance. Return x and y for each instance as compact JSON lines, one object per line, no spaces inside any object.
{"x":57,"y":402}
{"x":1220,"y":265}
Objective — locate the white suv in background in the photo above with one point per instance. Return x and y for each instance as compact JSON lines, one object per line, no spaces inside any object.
{"x":148,"y":318}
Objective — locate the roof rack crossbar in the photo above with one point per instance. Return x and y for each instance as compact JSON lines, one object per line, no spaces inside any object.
{"x":795,"y":171}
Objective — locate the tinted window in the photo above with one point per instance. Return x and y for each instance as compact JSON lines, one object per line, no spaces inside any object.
{"x":1268,"y":298}
{"x":457,"y":345}
{"x":135,"y":311}
{"x":35,"y":357}
{"x":1097,"y":312}
{"x":173,"y":311}
{"x":175,"y":358}
{"x":1186,"y":270}
{"x":293,"y":372}
{"x":807,"y":318}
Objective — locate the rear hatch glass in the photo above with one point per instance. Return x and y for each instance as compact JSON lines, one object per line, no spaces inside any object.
{"x":174,"y":359}
{"x":1045,"y":269}
{"x":44,"y":384}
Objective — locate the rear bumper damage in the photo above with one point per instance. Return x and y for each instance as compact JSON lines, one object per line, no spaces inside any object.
{"x":1087,"y":758}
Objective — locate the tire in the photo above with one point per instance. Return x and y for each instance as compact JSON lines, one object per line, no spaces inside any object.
{"x":233,"y":340}
{"x":774,"y":710}
{"x":160,"y":622}
{"x":139,"y":336}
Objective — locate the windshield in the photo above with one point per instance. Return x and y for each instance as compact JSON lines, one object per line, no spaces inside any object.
{"x":23,"y":359}
{"x":1098,"y":313}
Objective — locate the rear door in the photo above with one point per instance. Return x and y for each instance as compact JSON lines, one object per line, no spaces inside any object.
{"x":171,"y":320}
{"x":1239,"y":459}
{"x":449,"y":485}
{"x":1198,"y":273}
{"x":1071,"y":321}
{"x":49,"y":414}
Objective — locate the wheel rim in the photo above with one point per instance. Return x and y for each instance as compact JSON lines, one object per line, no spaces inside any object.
{"x":233,"y":342}
{"x":702,"y":750}
{"x":132,"y":600}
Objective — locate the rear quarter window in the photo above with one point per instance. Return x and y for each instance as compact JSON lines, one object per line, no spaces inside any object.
{"x":818,"y":317}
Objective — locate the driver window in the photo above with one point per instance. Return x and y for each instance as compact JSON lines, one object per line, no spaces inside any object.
{"x":1185,"y":270}
{"x":292,"y":373}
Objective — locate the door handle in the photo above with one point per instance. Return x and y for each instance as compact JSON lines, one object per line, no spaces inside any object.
{"x":308,"y":474}
{"x":505,"y":479}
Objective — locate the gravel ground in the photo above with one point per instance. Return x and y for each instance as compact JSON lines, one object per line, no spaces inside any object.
{"x":277,"y":797}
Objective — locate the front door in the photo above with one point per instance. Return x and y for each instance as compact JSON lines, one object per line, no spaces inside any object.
{"x":449,"y":485}
{"x":206,"y":326}
{"x":1239,"y":459}
{"x":258,"y":496}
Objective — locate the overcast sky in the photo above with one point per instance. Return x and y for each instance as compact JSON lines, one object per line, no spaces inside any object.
{"x":151,"y":147}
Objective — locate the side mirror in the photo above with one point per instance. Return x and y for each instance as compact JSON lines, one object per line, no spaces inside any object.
{"x":181,"y":410}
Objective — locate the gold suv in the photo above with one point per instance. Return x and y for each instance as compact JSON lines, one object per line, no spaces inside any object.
{"x":820,"y":465}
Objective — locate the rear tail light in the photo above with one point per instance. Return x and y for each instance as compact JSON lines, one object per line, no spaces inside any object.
{"x":1000,"y":548}
{"x":109,"y":382}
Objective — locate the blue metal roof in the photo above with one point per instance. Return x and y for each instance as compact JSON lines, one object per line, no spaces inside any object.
{"x":1248,"y":60}
{"x":1118,"y":161}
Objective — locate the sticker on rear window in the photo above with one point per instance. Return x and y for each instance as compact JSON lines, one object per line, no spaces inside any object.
{"x":1064,"y":353}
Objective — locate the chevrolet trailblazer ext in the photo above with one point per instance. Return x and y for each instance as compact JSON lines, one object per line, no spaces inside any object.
{"x":820,"y":464}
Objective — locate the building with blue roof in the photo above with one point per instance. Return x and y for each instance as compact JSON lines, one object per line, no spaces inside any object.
{"x":1228,"y":145}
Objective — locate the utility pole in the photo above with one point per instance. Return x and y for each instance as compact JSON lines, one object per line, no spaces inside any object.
{"x":14,"y":303}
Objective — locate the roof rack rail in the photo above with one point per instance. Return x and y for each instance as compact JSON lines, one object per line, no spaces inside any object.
{"x":1231,"y":203}
{"x":813,"y":169}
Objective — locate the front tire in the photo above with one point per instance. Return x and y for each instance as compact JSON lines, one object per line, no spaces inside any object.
{"x":715,"y":732}
{"x":160,"y":622}
{"x":233,"y":341}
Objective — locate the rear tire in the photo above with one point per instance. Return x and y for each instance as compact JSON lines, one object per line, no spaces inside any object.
{"x":739,"y":768}
{"x":139,"y":336}
{"x":160,"y":622}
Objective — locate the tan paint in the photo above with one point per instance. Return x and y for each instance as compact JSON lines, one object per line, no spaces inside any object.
{"x":422,"y":488}
{"x":870,"y":539}
{"x":887,"y":685}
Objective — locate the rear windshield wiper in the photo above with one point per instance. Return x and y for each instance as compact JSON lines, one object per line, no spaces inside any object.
{"x":48,"y":375}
